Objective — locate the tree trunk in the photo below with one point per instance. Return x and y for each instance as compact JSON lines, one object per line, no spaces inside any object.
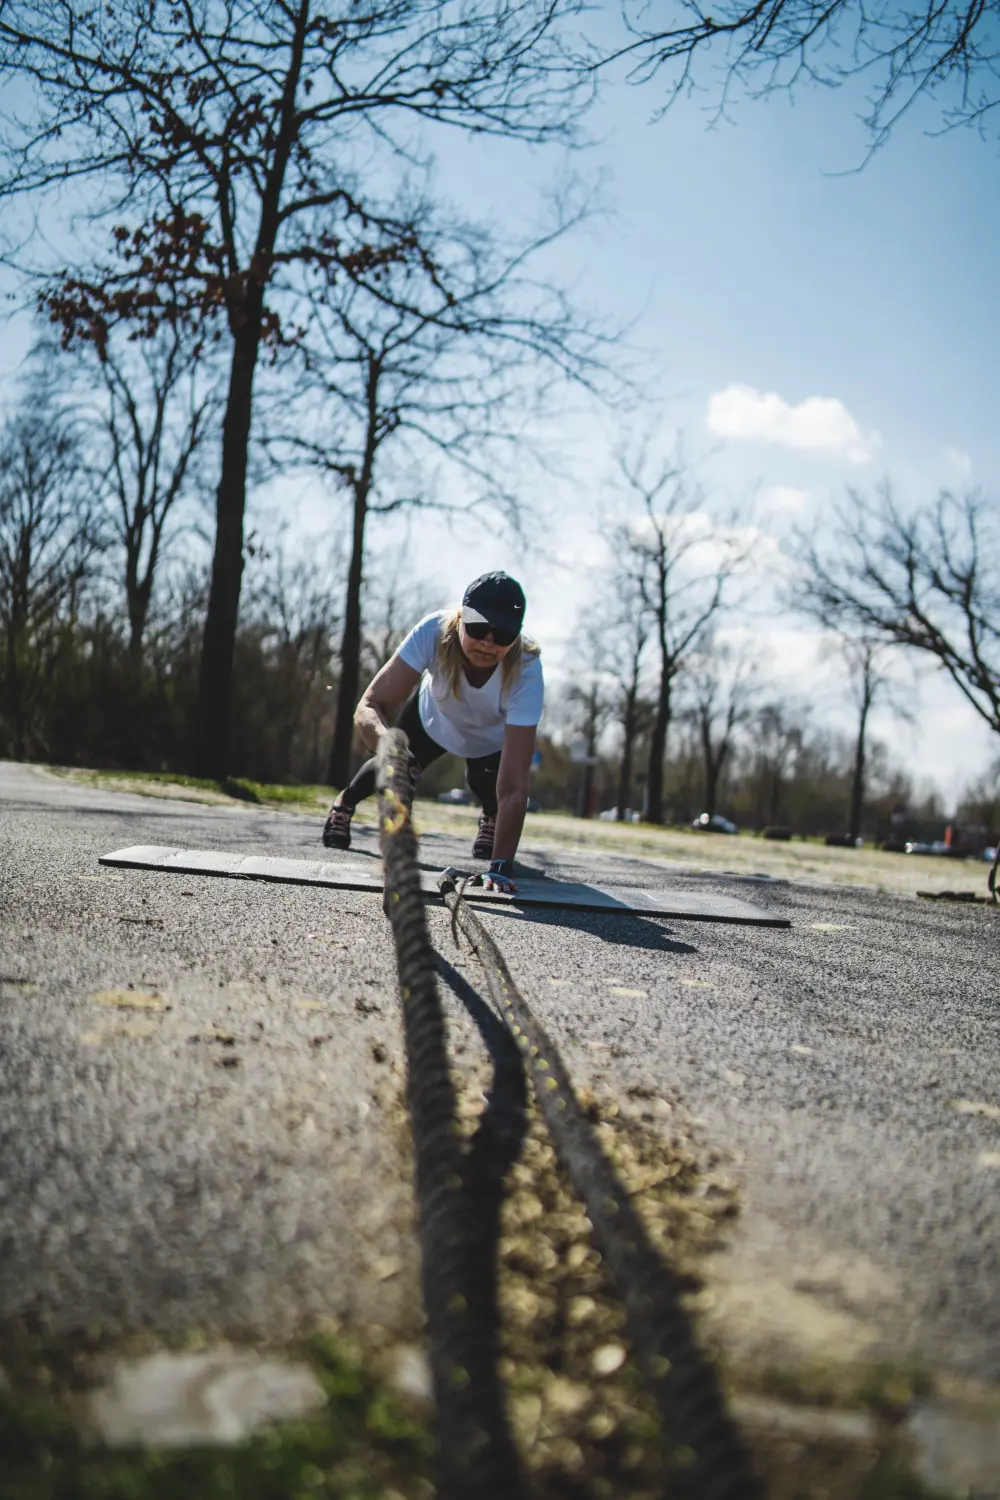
{"x":339,"y":768}
{"x":17,"y":632}
{"x":137,"y":594}
{"x":585,"y":784}
{"x":709,"y":766}
{"x":858,"y":781}
{"x":625,"y":770}
{"x":338,"y":771}
{"x":588,"y":770}
{"x":657,"y":752}
{"x":215,"y":676}
{"x":714,"y":759}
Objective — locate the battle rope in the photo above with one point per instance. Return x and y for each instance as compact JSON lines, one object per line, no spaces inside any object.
{"x":458,"y":1192}
{"x":685,"y":1386}
{"x":458,"y":1187}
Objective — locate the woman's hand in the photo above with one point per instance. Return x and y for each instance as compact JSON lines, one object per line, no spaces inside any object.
{"x":499,"y":877}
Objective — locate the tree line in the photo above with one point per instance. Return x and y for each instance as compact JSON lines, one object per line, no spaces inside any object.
{"x":668,"y":712}
{"x":664,"y":654}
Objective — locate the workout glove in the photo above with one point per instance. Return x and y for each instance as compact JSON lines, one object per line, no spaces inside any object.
{"x":499,"y":877}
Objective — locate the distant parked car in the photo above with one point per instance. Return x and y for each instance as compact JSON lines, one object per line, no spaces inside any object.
{"x":459,"y":796}
{"x":714,"y":823}
{"x":610,"y":815}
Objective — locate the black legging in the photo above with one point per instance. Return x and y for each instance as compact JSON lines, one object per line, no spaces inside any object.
{"x":480,"y":770}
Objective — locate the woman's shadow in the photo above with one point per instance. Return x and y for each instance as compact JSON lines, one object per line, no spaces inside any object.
{"x":623,"y":931}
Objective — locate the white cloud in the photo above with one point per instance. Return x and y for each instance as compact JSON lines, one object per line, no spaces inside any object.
{"x":783,"y":499}
{"x":819,"y":424}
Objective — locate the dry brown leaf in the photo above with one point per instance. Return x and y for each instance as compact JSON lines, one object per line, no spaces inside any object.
{"x":134,"y":1029}
{"x":976,"y":1107}
{"x":129,"y":1000}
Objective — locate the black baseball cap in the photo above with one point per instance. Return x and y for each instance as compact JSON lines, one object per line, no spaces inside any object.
{"x":495,"y":599}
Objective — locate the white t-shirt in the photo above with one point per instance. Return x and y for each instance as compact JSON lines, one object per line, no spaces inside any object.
{"x":472,"y":724}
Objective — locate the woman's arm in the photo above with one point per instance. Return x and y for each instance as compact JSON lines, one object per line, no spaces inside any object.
{"x":513,"y":781}
{"x":387,"y":690}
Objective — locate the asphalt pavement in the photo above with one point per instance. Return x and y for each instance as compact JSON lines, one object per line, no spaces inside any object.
{"x":200,"y":1084}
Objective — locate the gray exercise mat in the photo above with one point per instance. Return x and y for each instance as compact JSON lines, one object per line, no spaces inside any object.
{"x":343,"y":874}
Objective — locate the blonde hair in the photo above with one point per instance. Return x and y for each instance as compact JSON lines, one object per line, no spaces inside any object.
{"x":453,"y":658}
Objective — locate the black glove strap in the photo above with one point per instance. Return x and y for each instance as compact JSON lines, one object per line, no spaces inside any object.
{"x":502,"y":867}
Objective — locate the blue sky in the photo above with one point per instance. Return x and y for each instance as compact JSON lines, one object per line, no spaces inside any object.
{"x":806,"y":325}
{"x":755,"y":256}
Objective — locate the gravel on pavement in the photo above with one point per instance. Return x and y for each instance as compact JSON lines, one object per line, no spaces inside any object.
{"x":201,"y":1085}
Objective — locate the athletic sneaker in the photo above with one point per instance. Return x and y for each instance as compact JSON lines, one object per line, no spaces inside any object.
{"x":337,"y":829}
{"x":483,"y":847}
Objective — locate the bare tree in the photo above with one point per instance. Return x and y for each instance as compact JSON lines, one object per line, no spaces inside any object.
{"x":633,"y":710}
{"x":146,"y":436}
{"x":682,"y":564}
{"x":929,"y":580}
{"x":419,"y":397}
{"x":591,"y":708}
{"x":231,"y":149}
{"x":287,"y":641}
{"x":722,"y":683}
{"x":948,"y":50}
{"x":981,"y":803}
{"x":48,"y":537}
{"x":862,"y":660}
{"x":870,"y":681}
{"x":777,"y":743}
{"x":394,"y":601}
{"x":625,"y":628}
{"x":586,"y":704}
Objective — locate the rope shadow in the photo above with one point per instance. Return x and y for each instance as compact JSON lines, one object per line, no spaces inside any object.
{"x":505,"y":1119}
{"x":705,"y":1456}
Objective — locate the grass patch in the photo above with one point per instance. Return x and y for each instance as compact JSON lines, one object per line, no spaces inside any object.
{"x":203,"y":788}
{"x":361,"y":1446}
{"x":892,"y":1479}
{"x":887,"y":1390}
{"x":268,"y":794}
{"x":807,"y":860}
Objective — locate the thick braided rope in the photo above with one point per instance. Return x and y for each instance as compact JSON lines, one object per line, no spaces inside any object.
{"x":683,"y":1381}
{"x":476,"y":1456}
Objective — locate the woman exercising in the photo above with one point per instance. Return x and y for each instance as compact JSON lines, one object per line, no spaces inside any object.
{"x":473,"y":687}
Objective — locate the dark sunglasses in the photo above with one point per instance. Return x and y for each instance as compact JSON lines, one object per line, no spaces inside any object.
{"x":501,"y":637}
